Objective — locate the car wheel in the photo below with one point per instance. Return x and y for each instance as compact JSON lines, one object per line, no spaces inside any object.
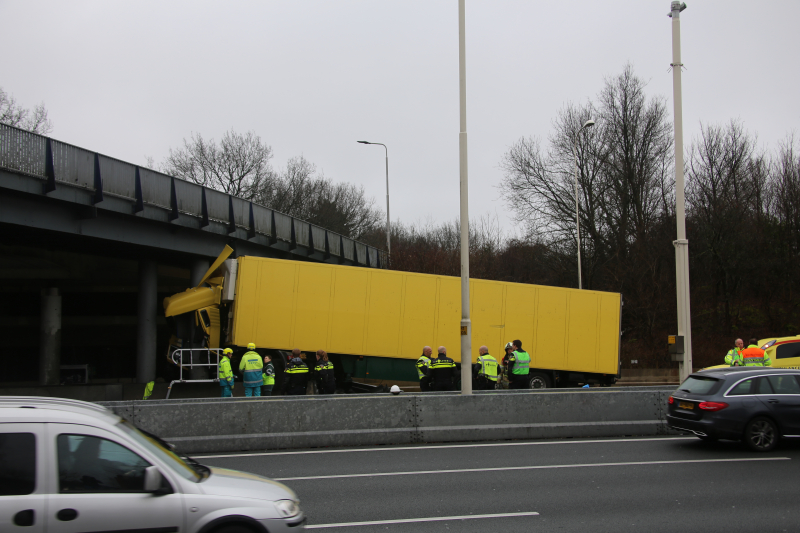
{"x":761,"y":434}
{"x":539,"y":381}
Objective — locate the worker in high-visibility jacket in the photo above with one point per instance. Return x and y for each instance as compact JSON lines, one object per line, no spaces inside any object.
{"x":518,"y":364}
{"x":730,"y":357}
{"x":251,"y":365}
{"x":295,"y":376}
{"x":753,"y":356}
{"x":225,"y":373}
{"x":323,"y":374}
{"x":423,"y":363}
{"x":485,"y":370}
{"x":442,"y":371}
{"x":268,"y":376}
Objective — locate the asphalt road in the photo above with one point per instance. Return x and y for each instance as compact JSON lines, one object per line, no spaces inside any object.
{"x":633,"y":484}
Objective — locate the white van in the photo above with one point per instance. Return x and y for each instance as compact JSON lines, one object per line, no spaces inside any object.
{"x":68,"y":466}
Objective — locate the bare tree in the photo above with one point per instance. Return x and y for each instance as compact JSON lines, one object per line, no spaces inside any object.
{"x":239,"y":165}
{"x":34,"y":120}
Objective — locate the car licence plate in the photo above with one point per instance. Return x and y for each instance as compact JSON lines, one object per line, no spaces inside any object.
{"x":686,"y":405}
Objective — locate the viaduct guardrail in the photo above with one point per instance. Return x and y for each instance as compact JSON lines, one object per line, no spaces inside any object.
{"x":236,"y":424}
{"x":59,"y":164}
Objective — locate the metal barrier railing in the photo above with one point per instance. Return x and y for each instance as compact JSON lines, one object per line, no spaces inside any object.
{"x":179,"y":357}
{"x":59,"y":164}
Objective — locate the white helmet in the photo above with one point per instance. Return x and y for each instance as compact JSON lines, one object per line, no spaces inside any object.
{"x":395,"y":390}
{"x":508,"y":345}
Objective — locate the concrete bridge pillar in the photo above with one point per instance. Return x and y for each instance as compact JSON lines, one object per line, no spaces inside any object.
{"x":146,"y":323}
{"x":50,"y":338}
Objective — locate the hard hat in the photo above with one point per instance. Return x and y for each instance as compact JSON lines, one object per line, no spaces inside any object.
{"x":251,"y":346}
{"x":227,"y":350}
{"x":395,"y":390}
{"x":508,"y":345}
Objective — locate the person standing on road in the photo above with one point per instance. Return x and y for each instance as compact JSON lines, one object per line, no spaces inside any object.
{"x":423,"y":363}
{"x":268,"y":376}
{"x":486,"y":369}
{"x":251,"y":365}
{"x":295,"y":378}
{"x":753,"y":356}
{"x":226,"y":374}
{"x":730,"y":357}
{"x":326,"y":382}
{"x":441,"y":371}
{"x":519,"y":367}
{"x":503,"y":369}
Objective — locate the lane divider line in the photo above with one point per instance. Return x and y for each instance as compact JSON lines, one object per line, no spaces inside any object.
{"x":402,"y":448}
{"x":537,"y":467}
{"x":414,"y":520}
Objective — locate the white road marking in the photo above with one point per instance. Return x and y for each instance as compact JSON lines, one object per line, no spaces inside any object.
{"x":537,"y":467}
{"x":401,"y":448}
{"x":413,"y":520}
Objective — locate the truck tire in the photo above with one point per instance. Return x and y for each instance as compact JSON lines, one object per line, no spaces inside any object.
{"x":538,"y":380}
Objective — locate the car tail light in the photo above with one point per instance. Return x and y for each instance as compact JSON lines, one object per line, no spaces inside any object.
{"x":712,"y":406}
{"x":671,"y":400}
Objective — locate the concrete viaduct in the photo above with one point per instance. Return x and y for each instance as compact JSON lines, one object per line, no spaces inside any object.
{"x":91,"y":244}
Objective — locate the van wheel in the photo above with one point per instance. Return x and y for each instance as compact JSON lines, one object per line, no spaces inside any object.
{"x":761,"y":434}
{"x":540,"y":381}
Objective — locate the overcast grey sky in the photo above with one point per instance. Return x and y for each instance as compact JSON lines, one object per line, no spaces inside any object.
{"x":311,"y":77}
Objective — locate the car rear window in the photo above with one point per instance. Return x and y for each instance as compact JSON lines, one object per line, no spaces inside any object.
{"x":701,"y":385}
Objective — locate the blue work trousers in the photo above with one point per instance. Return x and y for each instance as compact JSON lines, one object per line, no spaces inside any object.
{"x":252,"y":391}
{"x":227,"y":392}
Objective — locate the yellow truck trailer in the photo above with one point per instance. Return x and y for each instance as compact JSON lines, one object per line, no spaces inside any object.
{"x":376,"y":322}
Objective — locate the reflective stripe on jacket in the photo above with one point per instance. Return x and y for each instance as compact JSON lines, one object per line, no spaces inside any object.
{"x":225,"y":372}
{"x":422,"y":366}
{"x":252,"y":364}
{"x":487,"y":367}
{"x":442,"y":369}
{"x":519,"y":362}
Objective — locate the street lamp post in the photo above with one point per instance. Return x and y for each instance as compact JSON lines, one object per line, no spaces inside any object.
{"x":466,"y":324}
{"x":681,"y":244}
{"x":588,"y":124}
{"x":388,"y":223}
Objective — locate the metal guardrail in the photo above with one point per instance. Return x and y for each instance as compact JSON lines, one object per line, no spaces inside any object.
{"x":59,"y":164}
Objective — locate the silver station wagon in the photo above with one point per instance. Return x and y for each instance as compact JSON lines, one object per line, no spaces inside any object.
{"x":68,"y":466}
{"x":758,"y":405}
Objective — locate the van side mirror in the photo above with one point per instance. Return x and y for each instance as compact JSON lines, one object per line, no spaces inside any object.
{"x":152,"y":479}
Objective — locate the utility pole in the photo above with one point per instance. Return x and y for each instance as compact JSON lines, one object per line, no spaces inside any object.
{"x":681,"y":244}
{"x":466,"y":326}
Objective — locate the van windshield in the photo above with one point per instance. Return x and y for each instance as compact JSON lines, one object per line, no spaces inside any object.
{"x":178,"y":465}
{"x":699,"y":385}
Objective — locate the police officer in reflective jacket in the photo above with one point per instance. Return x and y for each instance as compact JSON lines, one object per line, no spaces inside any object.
{"x":268,"y":375}
{"x":441,"y":371}
{"x":295,"y":377}
{"x":518,"y":367}
{"x":485,"y":370}
{"x":251,"y":365}
{"x":423,"y":363}
{"x":323,"y":372}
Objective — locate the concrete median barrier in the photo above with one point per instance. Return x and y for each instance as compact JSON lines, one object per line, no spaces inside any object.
{"x":236,"y":424}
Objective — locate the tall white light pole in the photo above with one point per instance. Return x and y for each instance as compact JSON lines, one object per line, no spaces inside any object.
{"x":466,"y":326}
{"x":588,"y":124}
{"x":681,"y":244}
{"x":388,"y":224}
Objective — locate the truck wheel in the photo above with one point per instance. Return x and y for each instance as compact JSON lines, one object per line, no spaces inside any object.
{"x":540,"y":381}
{"x":761,"y":434}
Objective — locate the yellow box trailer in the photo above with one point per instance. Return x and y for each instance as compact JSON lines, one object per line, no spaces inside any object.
{"x":386,"y":317}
